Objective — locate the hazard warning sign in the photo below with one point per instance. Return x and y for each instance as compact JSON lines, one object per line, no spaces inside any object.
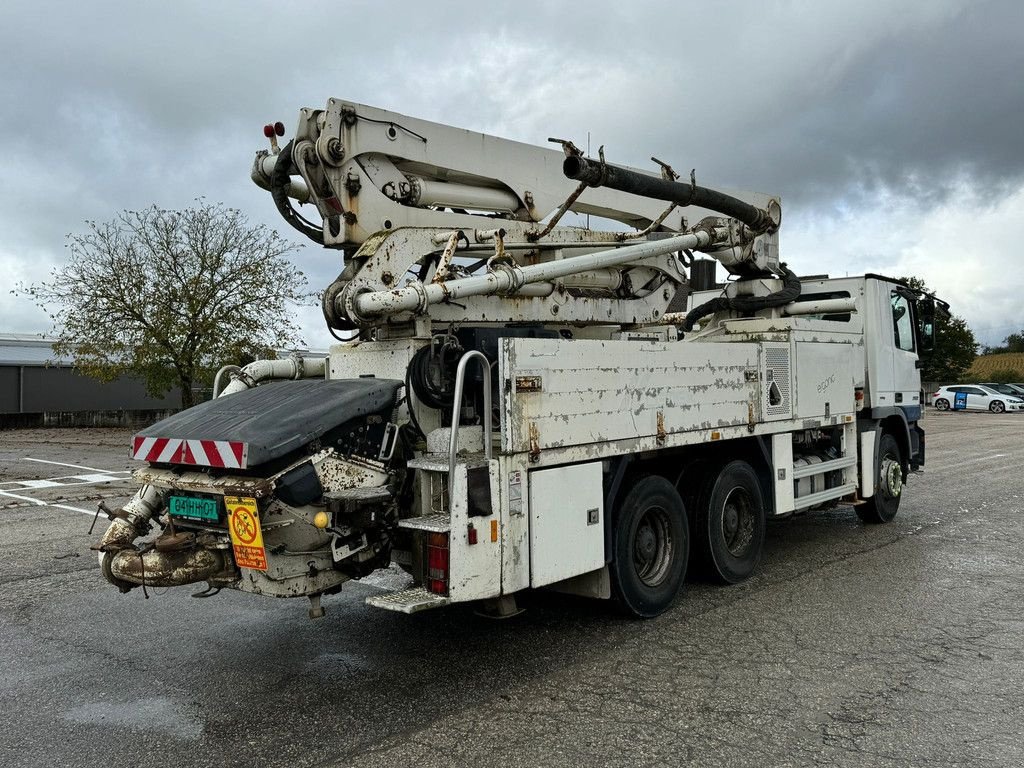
{"x":244,"y":525}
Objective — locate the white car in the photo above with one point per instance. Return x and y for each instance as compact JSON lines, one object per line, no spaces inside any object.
{"x":975,"y":397}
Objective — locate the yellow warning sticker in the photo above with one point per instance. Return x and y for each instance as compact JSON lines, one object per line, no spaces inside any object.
{"x":246,"y":536}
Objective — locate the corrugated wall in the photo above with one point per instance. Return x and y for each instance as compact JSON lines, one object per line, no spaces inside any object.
{"x":37,"y":389}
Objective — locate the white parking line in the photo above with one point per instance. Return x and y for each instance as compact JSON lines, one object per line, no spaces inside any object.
{"x":31,"y":483}
{"x":64,"y":464}
{"x":975,"y":460}
{"x":52,"y":482}
{"x":40,"y":503}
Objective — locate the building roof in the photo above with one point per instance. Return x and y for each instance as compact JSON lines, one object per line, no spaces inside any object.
{"x":28,"y":349}
{"x":36,"y":349}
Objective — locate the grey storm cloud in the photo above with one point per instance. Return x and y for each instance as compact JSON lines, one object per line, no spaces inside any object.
{"x":117,"y":105}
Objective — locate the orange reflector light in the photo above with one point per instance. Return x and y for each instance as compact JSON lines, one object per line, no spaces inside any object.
{"x":437,"y":563}
{"x":716,"y":435}
{"x":494,"y":530}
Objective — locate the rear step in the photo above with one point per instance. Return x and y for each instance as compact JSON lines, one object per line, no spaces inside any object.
{"x":436,"y":462}
{"x":431,"y":523}
{"x":412,"y":600}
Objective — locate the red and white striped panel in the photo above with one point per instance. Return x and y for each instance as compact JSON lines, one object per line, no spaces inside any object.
{"x":223,"y":454}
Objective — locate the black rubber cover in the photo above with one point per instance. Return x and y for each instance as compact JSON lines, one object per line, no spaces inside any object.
{"x":279,"y":417}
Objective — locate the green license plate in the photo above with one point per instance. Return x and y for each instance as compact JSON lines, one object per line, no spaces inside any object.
{"x":194,"y":508}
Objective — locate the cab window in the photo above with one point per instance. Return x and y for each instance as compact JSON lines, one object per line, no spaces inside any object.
{"x":903,"y":322}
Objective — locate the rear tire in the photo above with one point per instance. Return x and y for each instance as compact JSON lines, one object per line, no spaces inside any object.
{"x":729,"y":524}
{"x":650,"y":548}
{"x":942,"y":404}
{"x":883,"y":506}
{"x":996,"y":406}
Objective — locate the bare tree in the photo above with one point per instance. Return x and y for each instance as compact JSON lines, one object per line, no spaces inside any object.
{"x":170,"y":295}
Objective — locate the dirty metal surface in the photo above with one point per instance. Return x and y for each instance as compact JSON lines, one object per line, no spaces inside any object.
{"x":599,"y":391}
{"x":229,"y":485}
{"x":278,"y":417}
{"x":865,"y":646}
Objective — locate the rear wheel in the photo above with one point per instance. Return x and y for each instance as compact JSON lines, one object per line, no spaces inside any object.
{"x":650,"y":548}
{"x":729,"y":524}
{"x":996,"y":406}
{"x":883,"y":506}
{"x":942,"y":404}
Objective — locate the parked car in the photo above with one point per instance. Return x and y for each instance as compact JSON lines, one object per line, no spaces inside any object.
{"x":1013,"y":390}
{"x":975,"y":397}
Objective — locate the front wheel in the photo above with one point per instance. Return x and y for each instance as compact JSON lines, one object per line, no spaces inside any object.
{"x":650,"y":547}
{"x":996,"y":406}
{"x":942,"y":404}
{"x":883,"y":506}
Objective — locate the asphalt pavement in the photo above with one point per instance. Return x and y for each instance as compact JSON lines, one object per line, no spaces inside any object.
{"x":853,"y":645}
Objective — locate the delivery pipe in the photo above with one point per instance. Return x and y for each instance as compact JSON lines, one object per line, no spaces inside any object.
{"x":823,"y":307}
{"x":504,"y":278}
{"x":263,"y":171}
{"x":294,"y":367}
{"x":645,"y":185}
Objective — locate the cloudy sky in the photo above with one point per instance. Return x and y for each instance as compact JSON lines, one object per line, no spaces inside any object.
{"x":894,"y":131}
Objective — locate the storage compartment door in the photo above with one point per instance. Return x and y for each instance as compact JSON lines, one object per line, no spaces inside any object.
{"x":566,"y":522}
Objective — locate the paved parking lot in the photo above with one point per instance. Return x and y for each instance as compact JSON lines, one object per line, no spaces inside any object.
{"x":853,"y":645}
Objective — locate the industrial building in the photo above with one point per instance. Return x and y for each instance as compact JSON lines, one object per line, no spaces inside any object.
{"x":37,"y":388}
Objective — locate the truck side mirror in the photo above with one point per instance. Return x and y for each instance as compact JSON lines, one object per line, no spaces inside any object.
{"x":925,"y":324}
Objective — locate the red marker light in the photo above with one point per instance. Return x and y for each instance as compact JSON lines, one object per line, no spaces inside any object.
{"x":268,"y":131}
{"x":279,"y":128}
{"x":437,"y":563}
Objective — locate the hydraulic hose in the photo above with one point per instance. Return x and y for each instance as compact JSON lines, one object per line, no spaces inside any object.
{"x":790,"y":292}
{"x":645,"y":185}
{"x":432,"y":377}
{"x":279,"y":192}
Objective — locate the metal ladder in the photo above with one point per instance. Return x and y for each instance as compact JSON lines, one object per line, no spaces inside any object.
{"x":417,"y":598}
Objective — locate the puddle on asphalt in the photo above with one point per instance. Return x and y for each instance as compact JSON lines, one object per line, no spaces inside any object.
{"x":159,"y":713}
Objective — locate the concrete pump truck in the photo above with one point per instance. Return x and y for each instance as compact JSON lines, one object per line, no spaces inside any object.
{"x":525,"y":401}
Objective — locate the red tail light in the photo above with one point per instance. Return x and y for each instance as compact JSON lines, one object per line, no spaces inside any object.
{"x":437,"y":563}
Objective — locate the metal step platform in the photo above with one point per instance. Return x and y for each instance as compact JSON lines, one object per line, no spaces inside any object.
{"x":432,"y":523}
{"x":437,"y":462}
{"x":411,"y":600}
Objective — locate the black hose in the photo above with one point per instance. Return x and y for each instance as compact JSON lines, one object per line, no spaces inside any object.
{"x":279,"y":180}
{"x":790,"y":292}
{"x":408,"y":402}
{"x":431,"y":375}
{"x":645,"y":185}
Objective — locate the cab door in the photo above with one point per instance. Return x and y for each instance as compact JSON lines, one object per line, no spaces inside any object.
{"x":906,"y":378}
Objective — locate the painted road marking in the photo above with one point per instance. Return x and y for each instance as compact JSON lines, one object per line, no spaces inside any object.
{"x":975,"y":460}
{"x":95,"y":476}
{"x":33,"y":483}
{"x":66,"y":480}
{"x":63,"y":464}
{"x":40,"y":503}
